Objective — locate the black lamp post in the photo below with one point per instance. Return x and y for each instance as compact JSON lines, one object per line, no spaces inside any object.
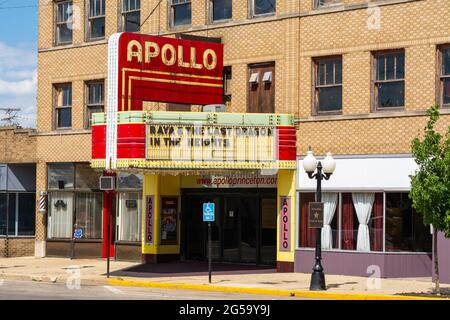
{"x":324,"y":171}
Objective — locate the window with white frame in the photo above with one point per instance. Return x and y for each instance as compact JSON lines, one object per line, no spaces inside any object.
{"x":95,"y":100}
{"x":131,"y":15}
{"x":64,"y":22}
{"x":96,"y":19}
{"x":365,"y":222}
{"x":180,"y":12}
{"x":263,"y":7}
{"x":129,"y":216}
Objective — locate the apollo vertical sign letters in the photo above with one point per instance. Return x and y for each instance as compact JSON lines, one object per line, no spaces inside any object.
{"x":149,"y":212}
{"x":285,"y":223}
{"x":164,"y":69}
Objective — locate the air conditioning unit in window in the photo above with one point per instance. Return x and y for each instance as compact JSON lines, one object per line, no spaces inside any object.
{"x":107,"y":183}
{"x":215,"y":108}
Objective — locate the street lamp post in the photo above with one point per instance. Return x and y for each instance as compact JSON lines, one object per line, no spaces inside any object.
{"x":324,"y":171}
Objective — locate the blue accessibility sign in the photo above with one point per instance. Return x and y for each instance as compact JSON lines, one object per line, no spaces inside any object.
{"x":208,"y":212}
{"x":78,"y":233}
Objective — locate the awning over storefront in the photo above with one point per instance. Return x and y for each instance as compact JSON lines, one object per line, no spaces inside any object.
{"x":384,"y":172}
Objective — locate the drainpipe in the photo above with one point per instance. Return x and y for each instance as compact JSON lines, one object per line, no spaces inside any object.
{"x":7,"y":215}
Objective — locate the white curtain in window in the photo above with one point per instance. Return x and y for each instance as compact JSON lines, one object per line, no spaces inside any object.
{"x":130,"y":217}
{"x":363,"y":203}
{"x":60,"y":215}
{"x":329,"y":208}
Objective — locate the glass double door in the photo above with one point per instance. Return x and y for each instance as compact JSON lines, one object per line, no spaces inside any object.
{"x":240,"y":233}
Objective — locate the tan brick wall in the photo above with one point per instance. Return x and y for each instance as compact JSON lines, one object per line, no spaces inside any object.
{"x":17,"y":145}
{"x":16,"y":247}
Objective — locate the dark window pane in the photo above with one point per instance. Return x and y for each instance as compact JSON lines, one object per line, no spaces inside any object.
{"x":98,"y":28}
{"x":329,"y":66}
{"x":405,"y":230}
{"x":330,"y":99}
{"x":86,"y":177}
{"x":338,"y":71}
{"x":27,"y":214}
{"x":446,"y":61}
{"x":391,"y":94}
{"x":390,"y":67}
{"x":264,"y":6}
{"x":89,"y":214}
{"x":182,"y":14}
{"x":321,"y":72}
{"x":60,"y":176}
{"x":2,"y":214}
{"x":64,"y":117}
{"x":400,"y":66}
{"x":130,"y":181}
{"x":12,"y":214}
{"x":446,"y":91}
{"x":222,"y":9}
{"x":381,"y":68}
{"x":132,"y":21}
{"x":64,"y":33}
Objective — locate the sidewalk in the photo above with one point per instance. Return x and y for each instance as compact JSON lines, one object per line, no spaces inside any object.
{"x":93,"y":272}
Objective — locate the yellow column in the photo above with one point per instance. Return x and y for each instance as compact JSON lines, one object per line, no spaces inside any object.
{"x":157,"y":186}
{"x":286,"y":194}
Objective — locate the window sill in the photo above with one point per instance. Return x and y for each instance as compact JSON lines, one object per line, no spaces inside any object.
{"x":219,"y":22}
{"x":365,"y":252}
{"x":17,"y":237}
{"x":264,"y":15}
{"x":93,"y":40}
{"x":75,"y":240}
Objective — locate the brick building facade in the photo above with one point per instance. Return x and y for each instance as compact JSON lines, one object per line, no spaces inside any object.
{"x":367,"y":116}
{"x":17,"y":189}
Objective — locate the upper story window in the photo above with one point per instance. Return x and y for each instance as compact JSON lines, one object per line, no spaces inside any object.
{"x":328,"y":85}
{"x":64,"y":21}
{"x":131,"y":15}
{"x":96,"y":19}
{"x":325,"y":3}
{"x":389,"y":80}
{"x":263,"y":7}
{"x":444,"y":76}
{"x":181,"y":12}
{"x":63,"y":106}
{"x":227,"y":76}
{"x":95,"y":102}
{"x":221,"y":10}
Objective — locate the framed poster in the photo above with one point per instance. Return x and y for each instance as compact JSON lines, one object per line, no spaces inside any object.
{"x":169,"y":225}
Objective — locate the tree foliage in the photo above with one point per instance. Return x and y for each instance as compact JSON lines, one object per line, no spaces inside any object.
{"x":430,"y":186}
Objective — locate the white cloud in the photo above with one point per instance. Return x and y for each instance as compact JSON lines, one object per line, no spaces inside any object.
{"x":18,"y":81}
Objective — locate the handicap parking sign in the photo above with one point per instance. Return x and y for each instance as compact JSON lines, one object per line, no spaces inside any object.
{"x":78,"y":233}
{"x":208,"y":212}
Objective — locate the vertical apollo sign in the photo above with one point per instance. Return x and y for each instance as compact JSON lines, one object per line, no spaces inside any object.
{"x":160,"y":69}
{"x":285,"y":223}
{"x":149,"y":219}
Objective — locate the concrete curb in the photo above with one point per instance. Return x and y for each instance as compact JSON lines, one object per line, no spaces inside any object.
{"x":58,"y":279}
{"x":264,"y":291}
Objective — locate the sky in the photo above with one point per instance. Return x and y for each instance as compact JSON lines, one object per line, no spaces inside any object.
{"x":18,"y":59}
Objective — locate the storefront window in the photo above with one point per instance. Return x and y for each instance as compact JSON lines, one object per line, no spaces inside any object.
{"x":360,"y":216}
{"x":60,"y":176}
{"x":330,"y":231}
{"x":405,"y":230}
{"x":26,"y":215}
{"x":89,"y":214}
{"x":86,"y":177}
{"x":17,"y":214}
{"x":60,"y":211}
{"x":129,"y":181}
{"x":129,"y":216}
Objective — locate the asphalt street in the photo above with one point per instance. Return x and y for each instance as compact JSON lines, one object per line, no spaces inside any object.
{"x":30,"y":290}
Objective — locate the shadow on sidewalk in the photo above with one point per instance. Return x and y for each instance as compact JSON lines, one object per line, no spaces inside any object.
{"x":190,"y":268}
